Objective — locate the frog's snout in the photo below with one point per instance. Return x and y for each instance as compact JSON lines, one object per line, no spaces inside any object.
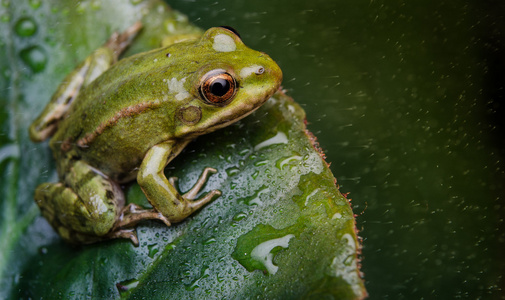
{"x":276,"y":72}
{"x":273,"y":73}
{"x":272,"y":67}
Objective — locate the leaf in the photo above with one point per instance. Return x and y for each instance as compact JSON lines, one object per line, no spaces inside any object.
{"x":281,"y":229}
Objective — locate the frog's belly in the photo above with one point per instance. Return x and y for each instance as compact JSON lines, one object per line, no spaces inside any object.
{"x":120,"y":166}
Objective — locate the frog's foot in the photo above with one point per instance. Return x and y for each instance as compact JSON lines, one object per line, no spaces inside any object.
{"x":84,"y":208}
{"x":132,"y":214}
{"x":118,"y":42}
{"x":129,"y":233}
{"x":191,"y":194}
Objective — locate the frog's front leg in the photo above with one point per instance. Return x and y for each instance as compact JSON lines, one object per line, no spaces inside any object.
{"x":161,"y":193}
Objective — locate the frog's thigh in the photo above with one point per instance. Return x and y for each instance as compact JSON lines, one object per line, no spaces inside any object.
{"x":88,"y":205}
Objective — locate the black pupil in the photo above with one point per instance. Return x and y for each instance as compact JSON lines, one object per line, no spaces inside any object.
{"x":219,"y":87}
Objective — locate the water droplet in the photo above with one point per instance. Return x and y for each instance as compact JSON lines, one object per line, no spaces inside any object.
{"x":262,"y":252}
{"x":7,"y":73}
{"x":153,"y":249}
{"x":232,"y":171}
{"x":96,"y":4}
{"x":255,"y":174}
{"x":135,"y":2}
{"x":5,"y":18}
{"x":241,"y":163}
{"x":279,"y":138}
{"x":35,"y":3}
{"x":244,"y":152}
{"x":268,"y":242}
{"x":34,"y":57}
{"x":239,"y":216}
{"x":313,"y":193}
{"x":336,"y":216}
{"x":260,"y":163}
{"x":6,"y":3}
{"x":25,"y":27}
{"x":256,"y":198}
{"x":195,"y":283}
{"x":170,"y":246}
{"x":210,"y":240}
{"x":126,"y":285}
{"x":284,"y":161}
{"x":81,"y":8}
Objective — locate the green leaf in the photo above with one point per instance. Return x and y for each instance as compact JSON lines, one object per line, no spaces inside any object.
{"x":281,"y":229}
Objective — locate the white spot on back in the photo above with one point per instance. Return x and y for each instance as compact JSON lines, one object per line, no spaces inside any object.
{"x":224,"y":43}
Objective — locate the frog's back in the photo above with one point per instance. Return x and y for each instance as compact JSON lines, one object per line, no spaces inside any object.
{"x":113,"y":122}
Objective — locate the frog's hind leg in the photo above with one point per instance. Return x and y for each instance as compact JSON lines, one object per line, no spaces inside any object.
{"x":85,"y":207}
{"x":92,"y":67}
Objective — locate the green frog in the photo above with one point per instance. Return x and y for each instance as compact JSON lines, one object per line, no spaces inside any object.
{"x":113,"y":121}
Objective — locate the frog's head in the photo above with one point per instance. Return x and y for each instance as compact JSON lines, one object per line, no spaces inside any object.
{"x":230,"y":82}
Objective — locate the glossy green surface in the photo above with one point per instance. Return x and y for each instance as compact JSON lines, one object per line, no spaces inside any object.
{"x":281,"y":229}
{"x":406,"y":99}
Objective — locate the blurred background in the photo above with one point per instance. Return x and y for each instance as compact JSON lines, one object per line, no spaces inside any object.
{"x":406,"y":100}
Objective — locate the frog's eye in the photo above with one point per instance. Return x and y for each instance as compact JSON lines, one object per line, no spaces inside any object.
{"x":218,"y":87}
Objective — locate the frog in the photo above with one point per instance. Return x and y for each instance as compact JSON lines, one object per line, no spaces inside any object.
{"x":116,"y":120}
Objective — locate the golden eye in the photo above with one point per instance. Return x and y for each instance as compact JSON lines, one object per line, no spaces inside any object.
{"x":218,"y":87}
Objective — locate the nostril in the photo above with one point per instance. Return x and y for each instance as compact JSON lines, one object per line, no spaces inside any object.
{"x":260,"y":71}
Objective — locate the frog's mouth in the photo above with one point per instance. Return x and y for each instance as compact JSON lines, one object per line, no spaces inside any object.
{"x":240,"y":111}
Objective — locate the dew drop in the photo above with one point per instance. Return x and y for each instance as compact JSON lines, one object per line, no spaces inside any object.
{"x":239,"y":216}
{"x":232,"y":171}
{"x":196,"y":283}
{"x":34,"y":57}
{"x":35,"y":3}
{"x":25,"y":27}
{"x":81,"y":8}
{"x":5,"y":18}
{"x":260,"y":163}
{"x":281,"y":163}
{"x":210,"y":240}
{"x":126,"y":285}
{"x":135,"y":2}
{"x":262,"y":252}
{"x":153,"y":249}
{"x":279,"y":138}
{"x":96,"y":4}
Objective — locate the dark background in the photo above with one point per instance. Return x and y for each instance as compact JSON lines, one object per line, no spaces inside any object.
{"x":406,"y":99}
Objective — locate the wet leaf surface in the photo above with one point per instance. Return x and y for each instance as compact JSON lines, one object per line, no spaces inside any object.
{"x":280,"y":229}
